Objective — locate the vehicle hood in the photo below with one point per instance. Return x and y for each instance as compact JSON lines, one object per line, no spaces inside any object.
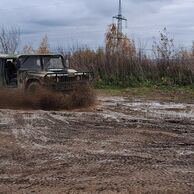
{"x":53,"y":71}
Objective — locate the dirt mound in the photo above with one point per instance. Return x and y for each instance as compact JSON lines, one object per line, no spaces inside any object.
{"x":46,"y":100}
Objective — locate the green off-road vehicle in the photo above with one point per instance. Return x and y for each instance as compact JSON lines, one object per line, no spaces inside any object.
{"x":29,"y":72}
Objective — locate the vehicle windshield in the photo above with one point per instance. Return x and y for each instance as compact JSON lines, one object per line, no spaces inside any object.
{"x":52,"y":63}
{"x":47,"y":63}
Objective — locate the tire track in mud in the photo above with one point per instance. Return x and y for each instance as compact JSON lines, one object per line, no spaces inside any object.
{"x":89,"y":156}
{"x":105,"y":149}
{"x":30,"y":129}
{"x":117,"y":161}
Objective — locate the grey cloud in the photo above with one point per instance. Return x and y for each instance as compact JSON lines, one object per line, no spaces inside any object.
{"x":50,"y":22}
{"x":86,"y":21}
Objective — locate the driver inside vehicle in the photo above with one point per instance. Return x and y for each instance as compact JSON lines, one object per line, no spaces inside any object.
{"x":11,"y":72}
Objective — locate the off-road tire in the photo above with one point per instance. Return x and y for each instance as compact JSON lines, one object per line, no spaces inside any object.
{"x":33,"y":87}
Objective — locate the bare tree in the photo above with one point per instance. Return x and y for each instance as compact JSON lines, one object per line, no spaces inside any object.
{"x":66,"y":54}
{"x":193,"y":49}
{"x":9,"y":40}
{"x":164,"y":48}
{"x":28,"y":49}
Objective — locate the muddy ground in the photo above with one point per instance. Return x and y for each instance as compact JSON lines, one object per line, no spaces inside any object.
{"x":121,"y":145}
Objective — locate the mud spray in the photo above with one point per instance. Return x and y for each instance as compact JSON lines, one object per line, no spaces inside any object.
{"x":46,"y":100}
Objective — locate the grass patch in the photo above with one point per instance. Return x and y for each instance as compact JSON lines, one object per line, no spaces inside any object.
{"x":151,"y":91}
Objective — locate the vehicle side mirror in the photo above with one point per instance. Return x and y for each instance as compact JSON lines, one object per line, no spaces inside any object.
{"x":67,"y":65}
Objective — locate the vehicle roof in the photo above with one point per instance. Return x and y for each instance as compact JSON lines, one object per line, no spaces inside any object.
{"x":38,"y":55}
{"x":6,"y":56}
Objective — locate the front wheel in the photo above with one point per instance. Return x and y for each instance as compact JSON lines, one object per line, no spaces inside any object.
{"x":33,"y":87}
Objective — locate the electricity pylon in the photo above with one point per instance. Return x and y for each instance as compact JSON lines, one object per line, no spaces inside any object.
{"x":120,"y":18}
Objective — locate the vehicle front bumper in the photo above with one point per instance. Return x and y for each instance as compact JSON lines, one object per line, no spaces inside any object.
{"x":67,"y":87}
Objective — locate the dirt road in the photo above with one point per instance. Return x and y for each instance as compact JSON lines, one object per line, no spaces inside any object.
{"x":118,"y":146}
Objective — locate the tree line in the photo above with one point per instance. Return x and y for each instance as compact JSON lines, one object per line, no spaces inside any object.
{"x":119,"y":63}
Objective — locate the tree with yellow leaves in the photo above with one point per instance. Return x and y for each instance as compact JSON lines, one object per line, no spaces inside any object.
{"x":116,"y":42}
{"x":44,"y":46}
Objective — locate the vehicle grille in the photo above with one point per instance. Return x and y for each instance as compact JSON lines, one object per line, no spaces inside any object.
{"x":72,"y":79}
{"x":66,"y":79}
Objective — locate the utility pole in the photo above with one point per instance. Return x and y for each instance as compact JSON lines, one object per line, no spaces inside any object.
{"x":120,"y":18}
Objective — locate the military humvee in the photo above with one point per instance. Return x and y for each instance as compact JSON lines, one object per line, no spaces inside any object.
{"x":29,"y":72}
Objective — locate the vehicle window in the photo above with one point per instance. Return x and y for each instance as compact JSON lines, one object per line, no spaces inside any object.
{"x":32,"y":63}
{"x":2,"y":62}
{"x":52,"y":63}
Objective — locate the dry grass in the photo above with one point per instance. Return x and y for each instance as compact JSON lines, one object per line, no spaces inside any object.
{"x":129,"y":66}
{"x":117,"y":68}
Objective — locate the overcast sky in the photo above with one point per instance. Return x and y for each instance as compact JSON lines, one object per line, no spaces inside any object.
{"x":84,"y":22}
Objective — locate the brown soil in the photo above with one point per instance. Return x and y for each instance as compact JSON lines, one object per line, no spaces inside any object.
{"x":44,"y":99}
{"x":118,"y":146}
